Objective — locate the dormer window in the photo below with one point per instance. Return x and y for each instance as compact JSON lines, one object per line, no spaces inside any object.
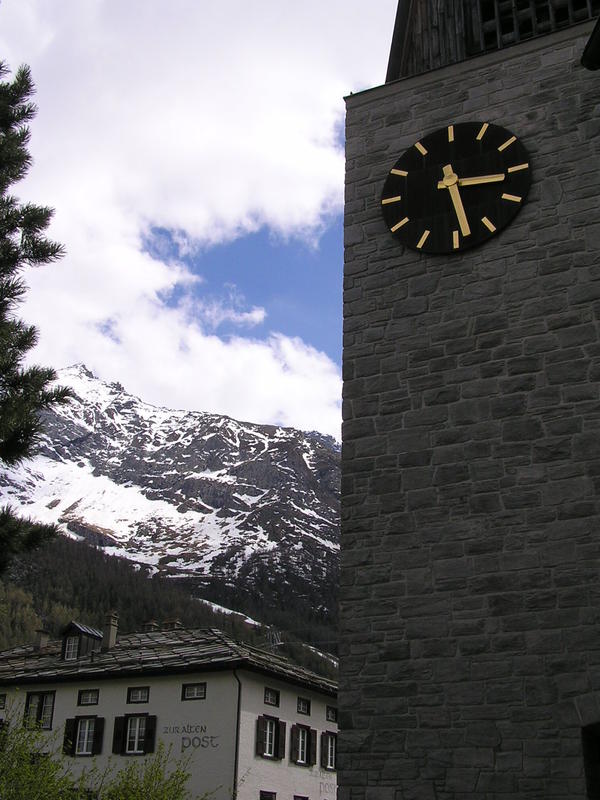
{"x":79,"y":641}
{"x":71,"y":648}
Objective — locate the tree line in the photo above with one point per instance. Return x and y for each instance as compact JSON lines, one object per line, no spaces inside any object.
{"x":66,"y":579}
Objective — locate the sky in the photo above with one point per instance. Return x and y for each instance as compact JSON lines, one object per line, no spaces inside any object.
{"x":193,"y":152}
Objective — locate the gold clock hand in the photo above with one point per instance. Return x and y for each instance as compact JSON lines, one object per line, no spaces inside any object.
{"x":476,"y":179}
{"x":451,"y":183}
{"x":480,"y":179}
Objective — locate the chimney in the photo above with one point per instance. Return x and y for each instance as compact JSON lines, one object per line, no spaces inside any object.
{"x":151,"y":625}
{"x":171,"y":624}
{"x":109,"y":634}
{"x":41,"y":639}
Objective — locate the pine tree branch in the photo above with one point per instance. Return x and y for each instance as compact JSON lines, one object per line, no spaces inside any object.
{"x":25,"y":393}
{"x":20,"y":535}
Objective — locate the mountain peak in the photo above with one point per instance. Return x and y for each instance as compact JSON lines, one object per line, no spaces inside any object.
{"x":78,"y":369}
{"x":192,"y":494}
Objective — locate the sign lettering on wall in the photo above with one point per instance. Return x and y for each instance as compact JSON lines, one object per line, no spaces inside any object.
{"x":327,"y":787}
{"x":192,"y":736}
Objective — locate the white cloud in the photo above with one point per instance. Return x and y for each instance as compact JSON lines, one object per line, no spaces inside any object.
{"x":214,"y":312}
{"x":208,"y":117}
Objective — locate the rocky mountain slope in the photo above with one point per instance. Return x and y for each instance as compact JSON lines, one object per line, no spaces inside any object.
{"x":222,"y":503}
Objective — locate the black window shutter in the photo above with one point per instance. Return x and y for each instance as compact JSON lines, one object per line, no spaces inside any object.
{"x":98,"y":735}
{"x":150,"y":735}
{"x":69,"y":738}
{"x":294,"y":736}
{"x":281,"y":740}
{"x":323,"y":749}
{"x":27,"y":706}
{"x":261,"y":726}
{"x":119,"y":736}
{"x":313,"y":747}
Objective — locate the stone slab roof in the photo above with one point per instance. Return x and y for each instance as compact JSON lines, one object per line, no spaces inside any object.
{"x":164,"y":652}
{"x":79,"y":626}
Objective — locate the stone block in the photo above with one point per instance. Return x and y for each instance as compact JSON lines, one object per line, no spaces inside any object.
{"x":523,"y":429}
{"x":472,"y":453}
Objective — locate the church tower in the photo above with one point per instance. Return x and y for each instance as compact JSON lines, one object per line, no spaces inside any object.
{"x":470,"y":588}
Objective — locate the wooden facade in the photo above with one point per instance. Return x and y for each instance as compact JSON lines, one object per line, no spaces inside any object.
{"x":429,"y":34}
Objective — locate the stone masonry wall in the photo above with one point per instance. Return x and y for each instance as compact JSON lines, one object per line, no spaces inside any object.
{"x":470,"y":597}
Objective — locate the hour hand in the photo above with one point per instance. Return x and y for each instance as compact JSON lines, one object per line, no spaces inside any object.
{"x":476,"y":179}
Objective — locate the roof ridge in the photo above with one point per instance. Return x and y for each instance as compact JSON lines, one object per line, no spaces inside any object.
{"x":156,"y":652}
{"x":225,"y":639}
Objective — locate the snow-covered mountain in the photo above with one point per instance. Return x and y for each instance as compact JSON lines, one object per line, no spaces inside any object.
{"x":190,"y":493}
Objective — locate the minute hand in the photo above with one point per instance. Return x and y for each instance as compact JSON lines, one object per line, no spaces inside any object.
{"x":476,"y":179}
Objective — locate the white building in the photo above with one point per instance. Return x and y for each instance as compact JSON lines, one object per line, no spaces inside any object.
{"x":254,"y":725}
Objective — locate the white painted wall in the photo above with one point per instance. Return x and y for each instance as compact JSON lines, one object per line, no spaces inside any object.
{"x":283,"y":777}
{"x":202,"y":730}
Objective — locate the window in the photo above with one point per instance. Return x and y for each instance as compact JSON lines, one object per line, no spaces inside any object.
{"x":2,"y":701}
{"x":329,"y":750}
{"x":136,"y":734}
{"x":71,"y":648}
{"x":268,"y":796}
{"x":193,"y":691}
{"x":271,"y":697}
{"x":270,"y":737}
{"x":88,"y":697}
{"x":303,"y":751}
{"x":138,"y":694}
{"x":331,"y":742}
{"x":303,"y":705}
{"x":302,"y":743}
{"x":300,"y":797}
{"x":269,"y":749}
{"x":331,"y":714}
{"x":85,"y":736}
{"x":39,"y":708}
{"x":590,"y":739}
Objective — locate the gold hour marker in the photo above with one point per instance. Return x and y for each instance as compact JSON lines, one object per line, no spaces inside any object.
{"x":489,"y":225}
{"x":399,"y":224}
{"x":421,"y":149}
{"x":515,"y":198}
{"x":518,"y":167}
{"x":402,"y":172}
{"x":450,"y":133}
{"x":390,"y":200}
{"x":482,"y":131}
{"x":423,"y":238}
{"x":455,"y":239}
{"x":507,"y":143}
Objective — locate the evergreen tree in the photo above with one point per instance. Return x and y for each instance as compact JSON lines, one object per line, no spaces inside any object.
{"x":24,"y":391}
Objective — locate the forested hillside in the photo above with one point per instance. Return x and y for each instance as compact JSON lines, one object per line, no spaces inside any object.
{"x":67,"y":580}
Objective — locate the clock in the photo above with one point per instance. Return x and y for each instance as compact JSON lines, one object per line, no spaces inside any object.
{"x":456,"y":187}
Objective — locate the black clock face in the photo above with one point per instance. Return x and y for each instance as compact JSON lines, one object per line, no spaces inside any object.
{"x":457,"y":187}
